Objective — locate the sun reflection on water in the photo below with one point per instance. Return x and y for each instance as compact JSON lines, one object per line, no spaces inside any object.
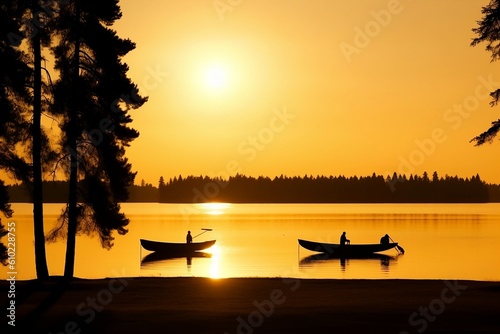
{"x":214,"y":270}
{"x":214,"y":208}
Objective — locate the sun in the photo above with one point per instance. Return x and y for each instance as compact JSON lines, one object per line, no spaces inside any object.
{"x":216,"y":77}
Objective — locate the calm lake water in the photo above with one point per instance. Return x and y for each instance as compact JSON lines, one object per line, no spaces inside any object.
{"x":441,"y":241}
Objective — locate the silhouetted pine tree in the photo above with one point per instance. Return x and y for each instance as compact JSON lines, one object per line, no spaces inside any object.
{"x":11,"y":93}
{"x":14,"y":94}
{"x":38,"y":32}
{"x":488,"y":31}
{"x":19,"y":127}
{"x":93,"y":96}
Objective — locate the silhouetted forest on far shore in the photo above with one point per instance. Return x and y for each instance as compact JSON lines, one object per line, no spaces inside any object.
{"x":328,"y":189}
{"x":306,"y":189}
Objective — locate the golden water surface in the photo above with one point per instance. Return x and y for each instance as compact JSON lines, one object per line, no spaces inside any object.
{"x":444,"y":241}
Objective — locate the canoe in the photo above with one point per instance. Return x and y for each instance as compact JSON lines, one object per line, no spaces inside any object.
{"x":175,"y":248}
{"x":347,"y":250}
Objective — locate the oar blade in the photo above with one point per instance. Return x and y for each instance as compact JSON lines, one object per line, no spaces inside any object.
{"x":398,"y":247}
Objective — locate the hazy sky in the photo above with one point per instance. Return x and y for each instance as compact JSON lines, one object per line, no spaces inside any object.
{"x":295,"y":87}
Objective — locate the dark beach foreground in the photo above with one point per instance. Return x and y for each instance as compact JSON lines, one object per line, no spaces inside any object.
{"x":252,"y":305}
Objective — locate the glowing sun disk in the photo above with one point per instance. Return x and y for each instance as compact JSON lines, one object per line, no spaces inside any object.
{"x":216,"y":77}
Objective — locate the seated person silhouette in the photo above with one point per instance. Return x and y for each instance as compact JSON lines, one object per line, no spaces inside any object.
{"x":384,"y":239}
{"x":344,"y":240}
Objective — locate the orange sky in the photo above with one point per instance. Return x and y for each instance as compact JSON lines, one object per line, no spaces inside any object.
{"x":324,"y":87}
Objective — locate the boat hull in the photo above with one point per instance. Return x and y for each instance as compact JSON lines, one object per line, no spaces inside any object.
{"x":175,"y":248}
{"x":346,"y":250}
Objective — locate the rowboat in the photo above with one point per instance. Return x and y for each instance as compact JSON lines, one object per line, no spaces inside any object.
{"x":345,"y":250}
{"x":175,"y":248}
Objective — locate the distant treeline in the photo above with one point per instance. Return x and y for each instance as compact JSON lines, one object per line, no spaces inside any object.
{"x":306,"y":189}
{"x":329,"y":189}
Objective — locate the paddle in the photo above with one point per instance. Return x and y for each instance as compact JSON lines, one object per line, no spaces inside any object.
{"x":398,"y":247}
{"x":204,"y":230}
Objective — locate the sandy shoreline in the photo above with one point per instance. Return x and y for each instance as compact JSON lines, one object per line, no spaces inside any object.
{"x":254,"y":305}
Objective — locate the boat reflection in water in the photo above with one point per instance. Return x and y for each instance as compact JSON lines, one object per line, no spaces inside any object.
{"x":200,"y":263}
{"x":155,"y":257}
{"x":325,"y":258}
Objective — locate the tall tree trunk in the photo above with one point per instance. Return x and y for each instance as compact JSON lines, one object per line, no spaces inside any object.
{"x":40,"y":255}
{"x":69,"y":265}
